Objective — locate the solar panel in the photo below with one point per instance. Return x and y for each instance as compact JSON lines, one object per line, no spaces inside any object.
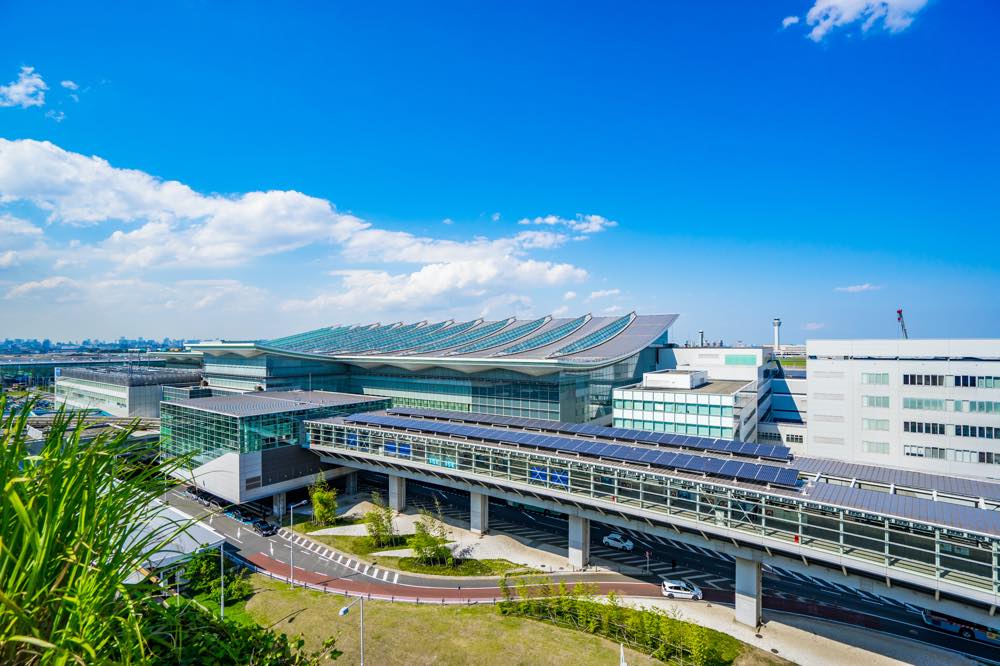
{"x":734,"y":447}
{"x":787,"y":477}
{"x":680,"y":461}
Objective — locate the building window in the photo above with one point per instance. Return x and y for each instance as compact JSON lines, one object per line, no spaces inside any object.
{"x":875,"y":378}
{"x":923,"y":427}
{"x":924,"y":403}
{"x":923,"y":380}
{"x":881,"y":448}
{"x":875,"y":424}
{"x":981,"y":432}
{"x":878,"y":401}
{"x":794,"y":439}
{"x":976,"y":381}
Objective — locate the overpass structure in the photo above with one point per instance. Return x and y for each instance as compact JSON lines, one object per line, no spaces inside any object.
{"x":929,"y":540}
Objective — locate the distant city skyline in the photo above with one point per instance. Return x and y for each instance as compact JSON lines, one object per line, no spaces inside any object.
{"x":251,"y":173}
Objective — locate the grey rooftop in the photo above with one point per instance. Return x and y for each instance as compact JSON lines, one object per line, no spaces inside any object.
{"x":260,"y":403}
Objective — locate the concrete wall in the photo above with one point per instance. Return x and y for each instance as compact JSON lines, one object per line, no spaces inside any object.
{"x":837,"y":410}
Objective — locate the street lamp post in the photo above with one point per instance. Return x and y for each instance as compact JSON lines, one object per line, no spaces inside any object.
{"x":291,"y":512}
{"x":345,"y":610}
{"x":222,"y":581}
{"x":291,"y":546}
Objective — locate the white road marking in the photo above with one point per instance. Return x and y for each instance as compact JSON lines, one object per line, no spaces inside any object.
{"x":395,"y":579}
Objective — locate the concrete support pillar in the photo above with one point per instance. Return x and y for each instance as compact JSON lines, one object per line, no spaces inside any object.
{"x":479,"y":510}
{"x":748,"y":592}
{"x":351,"y":483}
{"x":279,"y":505}
{"x":397,"y":493}
{"x":579,"y":542}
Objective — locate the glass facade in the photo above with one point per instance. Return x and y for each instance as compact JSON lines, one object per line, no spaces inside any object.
{"x":941,"y":557}
{"x":565,"y":395}
{"x":205,"y":435}
{"x":702,"y":414}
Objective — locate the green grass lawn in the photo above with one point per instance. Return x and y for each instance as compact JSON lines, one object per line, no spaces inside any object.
{"x":793,"y":362}
{"x":414,"y":634}
{"x":363,"y":547}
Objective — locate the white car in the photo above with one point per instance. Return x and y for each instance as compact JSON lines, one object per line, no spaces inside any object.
{"x":679,"y":589}
{"x":616,"y":540}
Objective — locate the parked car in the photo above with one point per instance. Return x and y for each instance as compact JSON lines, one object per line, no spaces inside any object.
{"x":263,"y":528}
{"x":679,"y":589}
{"x":619,"y":542}
{"x":236,"y":514}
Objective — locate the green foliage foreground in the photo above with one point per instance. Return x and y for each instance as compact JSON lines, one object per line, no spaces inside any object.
{"x":661,"y":635}
{"x":69,"y":541}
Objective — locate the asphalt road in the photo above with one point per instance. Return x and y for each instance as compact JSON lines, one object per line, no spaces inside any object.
{"x":713,"y":573}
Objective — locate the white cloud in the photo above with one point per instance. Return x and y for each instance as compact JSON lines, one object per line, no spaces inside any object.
{"x":448,"y":221}
{"x":57,"y":116}
{"x":540,"y":239}
{"x":789,"y":20}
{"x":603,"y":293}
{"x":813,"y":326}
{"x":45,"y":284}
{"x":895,"y":15}
{"x":581,"y":224}
{"x":569,"y":295}
{"x":15,"y":226}
{"x":9,"y":259}
{"x":560,"y":311}
{"x":180,"y":227}
{"x":153,"y":224}
{"x":858,"y":288}
{"x":495,"y":217}
{"x":28,"y":90}
{"x":69,"y":85}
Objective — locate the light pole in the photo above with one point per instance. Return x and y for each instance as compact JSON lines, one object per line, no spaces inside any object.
{"x":222,"y":581}
{"x":345,"y":610}
{"x":291,"y":512}
{"x":291,"y":546}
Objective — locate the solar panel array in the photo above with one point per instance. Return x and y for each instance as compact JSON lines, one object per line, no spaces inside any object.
{"x":733,"y":447}
{"x":729,"y":469}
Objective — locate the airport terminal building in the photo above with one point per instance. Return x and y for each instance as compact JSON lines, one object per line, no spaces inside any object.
{"x":560,"y":369}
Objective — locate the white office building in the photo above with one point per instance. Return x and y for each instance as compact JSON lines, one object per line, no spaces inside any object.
{"x":924,"y":405}
{"x":119,"y":390}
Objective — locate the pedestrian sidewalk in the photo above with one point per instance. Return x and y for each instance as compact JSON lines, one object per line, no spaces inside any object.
{"x":810,"y":641}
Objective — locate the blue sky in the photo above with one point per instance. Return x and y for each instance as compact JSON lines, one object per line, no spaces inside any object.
{"x":255,"y":170}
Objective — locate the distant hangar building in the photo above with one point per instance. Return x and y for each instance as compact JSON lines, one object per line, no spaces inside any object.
{"x":556,"y":368}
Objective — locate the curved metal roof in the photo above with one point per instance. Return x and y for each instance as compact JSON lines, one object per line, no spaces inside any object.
{"x":478,"y":344}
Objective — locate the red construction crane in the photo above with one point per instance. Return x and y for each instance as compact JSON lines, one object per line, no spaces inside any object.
{"x":902,"y":323}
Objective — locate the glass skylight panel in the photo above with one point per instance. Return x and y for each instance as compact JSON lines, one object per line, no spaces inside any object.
{"x":379,"y":338}
{"x":557,"y":333}
{"x":432,"y":337}
{"x":471,"y":336}
{"x":504,"y":337}
{"x":598,"y":337}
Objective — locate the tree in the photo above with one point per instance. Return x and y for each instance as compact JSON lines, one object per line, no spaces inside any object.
{"x":75,"y":517}
{"x":202,"y":574}
{"x":379,"y":521}
{"x":430,"y":536}
{"x":324,"y":501}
